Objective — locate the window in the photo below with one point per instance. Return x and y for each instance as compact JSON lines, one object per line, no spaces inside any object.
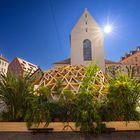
{"x":87,"y":50}
{"x":24,"y":62}
{"x":136,"y":59}
{"x":2,"y":63}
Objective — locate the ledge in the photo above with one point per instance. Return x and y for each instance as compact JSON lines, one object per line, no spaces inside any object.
{"x":60,"y":126}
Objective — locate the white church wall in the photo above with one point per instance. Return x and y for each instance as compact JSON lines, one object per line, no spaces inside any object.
{"x":87,"y":28}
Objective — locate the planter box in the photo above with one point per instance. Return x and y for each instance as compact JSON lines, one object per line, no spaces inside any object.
{"x":60,"y":126}
{"x":13,"y":126}
{"x":123,"y":126}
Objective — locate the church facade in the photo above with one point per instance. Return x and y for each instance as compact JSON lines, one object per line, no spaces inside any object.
{"x":87,"y":43}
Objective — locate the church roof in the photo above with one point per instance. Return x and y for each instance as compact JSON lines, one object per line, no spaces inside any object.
{"x":68,"y":60}
{"x":65,"y":61}
{"x":86,"y":21}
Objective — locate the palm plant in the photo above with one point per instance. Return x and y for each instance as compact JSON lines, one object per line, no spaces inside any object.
{"x":14,"y":93}
{"x":123,"y":98}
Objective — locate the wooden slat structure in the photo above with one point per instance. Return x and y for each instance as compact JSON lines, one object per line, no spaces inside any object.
{"x":71,"y":77}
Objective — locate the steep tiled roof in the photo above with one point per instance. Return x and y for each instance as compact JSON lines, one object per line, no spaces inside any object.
{"x":110,"y":62}
{"x":27,"y":66}
{"x":130,"y":54}
{"x":22,"y":67}
{"x":66,"y":61}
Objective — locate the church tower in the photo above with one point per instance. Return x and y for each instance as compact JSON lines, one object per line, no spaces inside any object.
{"x":87,"y":42}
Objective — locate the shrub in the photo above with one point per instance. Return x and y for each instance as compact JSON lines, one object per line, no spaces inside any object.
{"x":123,"y":98}
{"x":87,"y":104}
{"x":67,"y":103}
{"x":39,"y":110}
{"x":15,"y":92}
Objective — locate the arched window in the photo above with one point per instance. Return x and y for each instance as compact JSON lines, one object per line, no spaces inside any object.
{"x":87,"y":50}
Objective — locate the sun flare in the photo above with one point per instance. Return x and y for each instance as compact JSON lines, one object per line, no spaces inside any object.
{"x":107,"y":29}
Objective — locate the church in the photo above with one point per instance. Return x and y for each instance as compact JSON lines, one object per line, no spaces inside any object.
{"x":87,"y":43}
{"x":87,"y":46}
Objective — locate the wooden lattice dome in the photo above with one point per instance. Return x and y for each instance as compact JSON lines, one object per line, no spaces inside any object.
{"x":71,"y":77}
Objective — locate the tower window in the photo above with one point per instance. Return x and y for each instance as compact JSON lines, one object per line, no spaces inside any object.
{"x":87,"y":50}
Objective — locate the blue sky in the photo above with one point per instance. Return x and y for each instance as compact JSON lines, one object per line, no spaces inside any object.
{"x":38,"y":30}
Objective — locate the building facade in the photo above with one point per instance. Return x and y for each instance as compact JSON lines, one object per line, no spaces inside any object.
{"x":21,"y":67}
{"x":87,"y":43}
{"x":3,"y":65}
{"x":132,"y":61}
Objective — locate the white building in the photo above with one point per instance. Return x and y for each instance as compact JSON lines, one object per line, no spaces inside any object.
{"x":3,"y":65}
{"x":87,"y":43}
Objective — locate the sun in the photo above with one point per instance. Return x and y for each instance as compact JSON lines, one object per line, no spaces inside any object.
{"x":107,"y":29}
